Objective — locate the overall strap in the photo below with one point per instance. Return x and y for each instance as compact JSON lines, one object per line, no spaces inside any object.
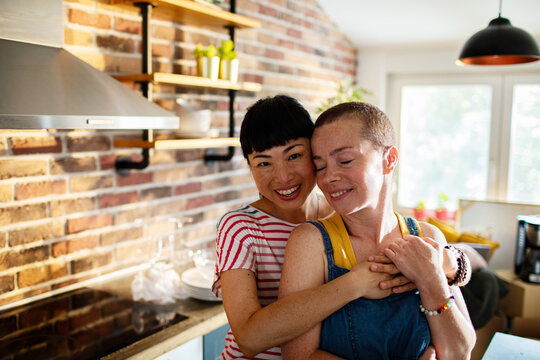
{"x":412,"y":225}
{"x":326,"y":239}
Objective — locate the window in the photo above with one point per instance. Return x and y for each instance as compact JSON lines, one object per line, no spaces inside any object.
{"x":474,"y":137}
{"x":524,"y":165}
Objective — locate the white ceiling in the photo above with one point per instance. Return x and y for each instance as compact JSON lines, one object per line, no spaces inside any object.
{"x":376,"y":23}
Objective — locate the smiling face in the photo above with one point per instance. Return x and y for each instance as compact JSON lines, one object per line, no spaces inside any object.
{"x":284,"y":175}
{"x":351,"y":171}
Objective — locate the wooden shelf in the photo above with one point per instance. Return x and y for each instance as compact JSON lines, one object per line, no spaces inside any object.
{"x":194,"y":13}
{"x":189,"y":81}
{"x":175,"y":144}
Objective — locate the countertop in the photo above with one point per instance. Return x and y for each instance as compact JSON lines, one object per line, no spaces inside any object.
{"x":202,"y":318}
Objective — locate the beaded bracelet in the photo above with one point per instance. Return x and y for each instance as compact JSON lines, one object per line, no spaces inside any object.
{"x":439,"y":310}
{"x":461,"y":274}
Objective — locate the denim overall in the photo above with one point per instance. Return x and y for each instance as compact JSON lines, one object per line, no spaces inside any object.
{"x":389,"y":328}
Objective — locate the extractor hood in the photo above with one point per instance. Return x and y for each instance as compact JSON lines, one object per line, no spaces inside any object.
{"x":47,"y":87}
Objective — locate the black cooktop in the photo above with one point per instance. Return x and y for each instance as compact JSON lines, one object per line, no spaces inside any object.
{"x":82,"y":324}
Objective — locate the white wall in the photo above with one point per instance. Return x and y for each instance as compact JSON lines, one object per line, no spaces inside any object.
{"x":376,"y":65}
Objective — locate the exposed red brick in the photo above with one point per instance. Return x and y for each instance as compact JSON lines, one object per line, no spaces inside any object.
{"x":114,"y":199}
{"x":35,"y":233}
{"x":227,"y":195}
{"x":162,"y":50}
{"x":265,"y":10}
{"x":166,"y":33}
{"x":11,"y":259}
{"x":79,"y":38}
{"x":130,"y":215}
{"x":86,"y":183}
{"x":168,"y":208}
{"x":15,"y":214}
{"x":6,"y":193}
{"x":90,"y":262}
{"x":7,"y":284}
{"x":33,"y":276}
{"x":128,"y":65}
{"x":72,"y":164}
{"x":188,"y":188}
{"x":155,"y":193}
{"x":86,"y":242}
{"x":274,"y":54}
{"x":115,"y":43}
{"x":41,"y":188}
{"x":128,"y":26}
{"x":3,"y":146}
{"x":93,"y":143}
{"x":81,"y":17}
{"x":3,"y":239}
{"x":102,"y":62}
{"x":217,"y":183}
{"x":10,"y":168}
{"x":294,"y":33}
{"x":71,"y":206}
{"x":200,"y":201}
{"x":88,"y":222}
{"x":36,"y":145}
{"x":134,"y":178}
{"x":117,"y":236}
{"x":59,"y":249}
{"x":311,"y":13}
{"x":107,"y":161}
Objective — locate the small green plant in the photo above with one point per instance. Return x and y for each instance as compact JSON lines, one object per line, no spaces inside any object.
{"x":442,"y":199}
{"x":421,"y":205}
{"x":200,"y":51}
{"x":226,"y":51}
{"x":346,"y":92}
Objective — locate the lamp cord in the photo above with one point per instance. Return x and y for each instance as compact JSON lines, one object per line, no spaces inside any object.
{"x":500,"y":7}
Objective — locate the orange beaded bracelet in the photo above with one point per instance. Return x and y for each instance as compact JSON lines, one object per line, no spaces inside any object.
{"x":440,"y":310}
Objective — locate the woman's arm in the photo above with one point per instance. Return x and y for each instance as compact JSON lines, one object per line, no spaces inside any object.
{"x":305,"y":269}
{"x":258,"y":328}
{"x":452,"y":333}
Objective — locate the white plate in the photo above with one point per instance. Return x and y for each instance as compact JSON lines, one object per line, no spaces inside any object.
{"x":198,"y":278}
{"x":208,"y":296}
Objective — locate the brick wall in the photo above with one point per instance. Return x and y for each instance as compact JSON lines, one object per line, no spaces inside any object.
{"x":65,"y":214}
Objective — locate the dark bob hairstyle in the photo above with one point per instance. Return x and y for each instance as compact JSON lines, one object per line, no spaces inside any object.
{"x":274,"y":121}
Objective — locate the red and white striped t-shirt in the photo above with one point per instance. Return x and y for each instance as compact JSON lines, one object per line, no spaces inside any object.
{"x":248,"y":238}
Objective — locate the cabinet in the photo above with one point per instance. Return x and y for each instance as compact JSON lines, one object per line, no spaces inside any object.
{"x":214,"y":342}
{"x":192,"y":13}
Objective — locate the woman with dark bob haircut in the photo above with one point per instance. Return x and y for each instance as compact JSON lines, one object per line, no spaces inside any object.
{"x":251,"y":240}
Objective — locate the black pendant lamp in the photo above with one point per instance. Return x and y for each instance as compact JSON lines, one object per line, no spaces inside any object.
{"x":499,"y":44}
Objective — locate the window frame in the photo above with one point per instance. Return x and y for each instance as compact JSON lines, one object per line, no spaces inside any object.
{"x":502,"y":86}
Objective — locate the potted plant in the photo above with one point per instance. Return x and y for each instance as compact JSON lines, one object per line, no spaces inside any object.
{"x":419,"y":212}
{"x":228,"y":64}
{"x":441,"y":212}
{"x":207,"y":61}
{"x":346,"y":92}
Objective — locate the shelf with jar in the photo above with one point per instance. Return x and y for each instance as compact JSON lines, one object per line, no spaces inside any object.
{"x":194,"y":13}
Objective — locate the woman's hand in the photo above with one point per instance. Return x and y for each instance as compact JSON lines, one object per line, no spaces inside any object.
{"x":398,"y":283}
{"x":418,"y":259}
{"x":369,"y":281}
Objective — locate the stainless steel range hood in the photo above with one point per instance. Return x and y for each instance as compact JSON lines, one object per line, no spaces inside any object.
{"x":47,"y":87}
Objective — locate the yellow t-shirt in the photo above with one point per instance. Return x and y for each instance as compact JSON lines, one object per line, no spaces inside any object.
{"x":341,"y":242}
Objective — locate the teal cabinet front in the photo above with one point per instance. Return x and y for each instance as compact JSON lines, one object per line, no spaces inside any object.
{"x":214,"y":342}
